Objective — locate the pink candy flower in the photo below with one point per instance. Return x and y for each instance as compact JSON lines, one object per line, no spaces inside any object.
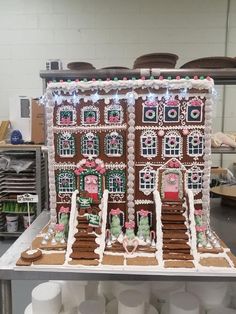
{"x":201,"y":228}
{"x":195,"y":102}
{"x":172,"y":102}
{"x":90,"y":164}
{"x":143,"y":213}
{"x":116,"y":211}
{"x":59,"y":227}
{"x":129,"y":225}
{"x":64,"y":210}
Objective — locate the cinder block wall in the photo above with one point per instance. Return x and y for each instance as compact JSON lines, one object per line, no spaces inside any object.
{"x":108,"y":32}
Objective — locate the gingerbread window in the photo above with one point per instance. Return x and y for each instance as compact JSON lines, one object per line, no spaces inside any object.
{"x":172,"y":111}
{"x":195,"y":144}
{"x":90,"y":145}
{"x":116,"y":181}
{"x":148,"y":144}
{"x":194,"y":110}
{"x":114,"y":144}
{"x":172,"y":144}
{"x":90,"y":115}
{"x":114,"y":114}
{"x":147,"y":180}
{"x":66,"y":145}
{"x":66,"y":115}
{"x":195,"y":179}
{"x":150,"y":112}
{"x":66,"y":182}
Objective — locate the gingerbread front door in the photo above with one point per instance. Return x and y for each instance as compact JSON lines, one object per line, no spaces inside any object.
{"x":91,"y":185}
{"x":171,"y":186}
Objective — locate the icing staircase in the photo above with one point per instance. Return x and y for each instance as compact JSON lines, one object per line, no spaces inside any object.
{"x":85,"y":240}
{"x":175,"y":229}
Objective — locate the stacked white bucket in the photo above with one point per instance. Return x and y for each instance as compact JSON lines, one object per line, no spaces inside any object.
{"x":133,"y":297}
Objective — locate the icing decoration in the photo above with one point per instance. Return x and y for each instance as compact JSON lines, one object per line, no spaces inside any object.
{"x":66,"y":145}
{"x":114,"y":144}
{"x":66,"y":115}
{"x":147,"y":180}
{"x":90,"y":145}
{"x":143,"y":225}
{"x":148,"y":141}
{"x":115,"y":181}
{"x":114,"y":114}
{"x":90,"y":115}
{"x":65,"y":182}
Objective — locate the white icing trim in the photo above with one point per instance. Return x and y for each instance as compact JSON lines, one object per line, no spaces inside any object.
{"x":70,"y":87}
{"x":177,"y":127}
{"x":72,"y":226}
{"x":192,"y":226}
{"x":143,"y":202}
{"x":159,"y":232}
{"x":102,"y":238}
{"x":76,"y":129}
{"x":115,"y":166}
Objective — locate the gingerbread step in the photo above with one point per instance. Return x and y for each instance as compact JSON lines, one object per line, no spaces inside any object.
{"x":177,"y":256}
{"x":176,"y":246}
{"x":173,"y":207}
{"x":182,"y":251}
{"x":172,"y":202}
{"x":82,"y":219}
{"x":174,"y":218}
{"x":174,"y":241}
{"x":84,"y":255}
{"x":177,"y":234}
{"x":174,"y":226}
{"x":83,"y":249}
{"x":86,"y":244}
{"x":84,"y":235}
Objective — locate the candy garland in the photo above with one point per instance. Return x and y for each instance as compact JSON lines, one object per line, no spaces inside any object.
{"x":207,"y":162}
{"x":131,"y":164}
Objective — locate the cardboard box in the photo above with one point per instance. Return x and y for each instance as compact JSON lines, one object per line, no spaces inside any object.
{"x":37,"y":122}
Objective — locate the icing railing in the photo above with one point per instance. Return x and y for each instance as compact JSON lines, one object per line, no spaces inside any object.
{"x":192,"y":226}
{"x":103,"y":207}
{"x":72,"y":224}
{"x":159,"y":233}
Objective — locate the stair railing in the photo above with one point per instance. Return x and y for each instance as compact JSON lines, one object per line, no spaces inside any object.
{"x":103,"y":206}
{"x":72,"y":225}
{"x":159,"y":232}
{"x":192,"y":225}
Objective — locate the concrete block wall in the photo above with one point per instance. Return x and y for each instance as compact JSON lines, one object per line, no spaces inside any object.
{"x":107,"y":32}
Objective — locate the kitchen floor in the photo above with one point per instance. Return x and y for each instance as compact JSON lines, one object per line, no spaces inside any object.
{"x":223,"y":222}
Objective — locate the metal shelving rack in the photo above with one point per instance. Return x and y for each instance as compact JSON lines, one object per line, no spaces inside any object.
{"x":37,"y":174}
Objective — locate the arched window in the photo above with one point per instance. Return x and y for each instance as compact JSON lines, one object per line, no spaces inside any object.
{"x":66,"y":182}
{"x":148,"y":144}
{"x":147,"y":180}
{"x":195,"y":178}
{"x":66,"y":115}
{"x":195,"y":144}
{"x":66,"y":145}
{"x":114,"y":144}
{"x":90,"y":145}
{"x":172,"y":144}
{"x":115,"y":181}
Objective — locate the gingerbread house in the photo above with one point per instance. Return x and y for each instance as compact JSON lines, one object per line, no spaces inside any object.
{"x":130,"y":160}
